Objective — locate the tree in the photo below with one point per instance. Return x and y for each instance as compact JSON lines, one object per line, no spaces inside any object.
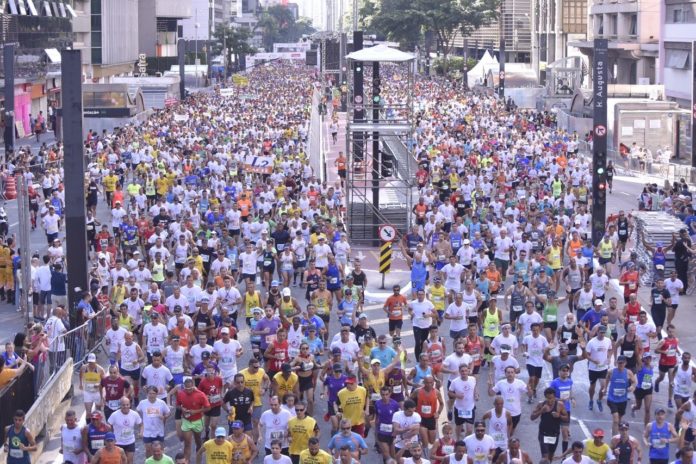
{"x":406,"y":20}
{"x":279,"y":25}
{"x":235,"y":40}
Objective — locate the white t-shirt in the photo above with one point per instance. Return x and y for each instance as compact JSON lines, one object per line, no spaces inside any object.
{"x":526,"y":320}
{"x":644,"y":331}
{"x":275,"y":427}
{"x":453,"y":362}
{"x":457,"y":325}
{"x":228,"y":356}
{"x":583,"y":460}
{"x":196,"y":351}
{"x":421,"y":313}
{"x":478,"y":449}
{"x":159,"y":377}
{"x":535,"y":349}
{"x":156,"y":336}
{"x":598,"y":350}
{"x":124,"y":426}
{"x":502,"y":248}
{"x":114,"y":338}
{"x":511,"y":394}
{"x":465,"y":406}
{"x":152,"y":414}
{"x":674,"y":287}
{"x":283,"y":459}
{"x":499,"y":366}
{"x":405,"y":422}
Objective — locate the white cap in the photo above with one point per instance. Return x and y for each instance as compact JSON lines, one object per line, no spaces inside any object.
{"x":287,"y":292}
{"x":598,"y":302}
{"x":466,"y":241}
{"x":225,"y":330}
{"x":91,"y":358}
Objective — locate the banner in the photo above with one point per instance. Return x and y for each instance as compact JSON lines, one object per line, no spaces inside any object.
{"x":240,"y":80}
{"x":259,"y":164}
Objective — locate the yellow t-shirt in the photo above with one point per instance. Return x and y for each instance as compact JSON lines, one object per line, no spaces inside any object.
{"x":6,"y":376}
{"x":253,"y":383}
{"x":218,"y":454}
{"x":301,"y":430}
{"x":437,"y":297}
{"x":322,"y":457}
{"x":594,"y":452}
{"x":109,"y":183}
{"x":353,"y":404}
{"x":285,"y":385}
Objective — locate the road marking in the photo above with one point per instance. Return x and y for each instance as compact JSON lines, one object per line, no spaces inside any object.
{"x":584,"y":428}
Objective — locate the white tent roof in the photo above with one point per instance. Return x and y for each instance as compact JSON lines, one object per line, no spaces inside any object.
{"x":380,"y":52}
{"x":478,"y":73}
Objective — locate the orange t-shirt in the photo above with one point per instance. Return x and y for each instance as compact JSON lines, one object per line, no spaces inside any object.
{"x":395,"y":305}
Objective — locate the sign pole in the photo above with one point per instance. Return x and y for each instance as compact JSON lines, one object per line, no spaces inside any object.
{"x":693,"y":104}
{"x":501,"y":74}
{"x":599,"y":139}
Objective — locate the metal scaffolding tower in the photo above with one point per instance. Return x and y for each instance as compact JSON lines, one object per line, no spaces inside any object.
{"x":381,"y":164}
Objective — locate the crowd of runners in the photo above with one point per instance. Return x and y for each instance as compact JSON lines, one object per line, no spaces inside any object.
{"x":215,"y":216}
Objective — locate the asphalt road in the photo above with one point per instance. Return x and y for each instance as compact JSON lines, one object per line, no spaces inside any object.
{"x":583,"y":421}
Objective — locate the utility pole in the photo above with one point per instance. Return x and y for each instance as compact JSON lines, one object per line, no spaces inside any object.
{"x":75,"y":213}
{"x":8,"y":64}
{"x":181,"y":51}
{"x":599,"y":139}
{"x":24,"y":232}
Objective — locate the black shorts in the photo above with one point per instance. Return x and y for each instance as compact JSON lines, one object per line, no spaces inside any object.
{"x":213,"y":412}
{"x":429,"y":423}
{"x":548,"y":448}
{"x":619,"y":408}
{"x":306,"y":383}
{"x":177,"y":414}
{"x":342,"y":173}
{"x":551,"y":325}
{"x":458,"y":420}
{"x":388,"y":439}
{"x":135,"y":375}
{"x":248,"y":276}
{"x":395,"y":324}
{"x":659,"y":461}
{"x":476,"y":369}
{"x":148,"y":440}
{"x":666,"y":369}
{"x":597,"y":375}
{"x":640,"y":393}
{"x":128,"y":448}
{"x":516,"y":420}
{"x":534,"y":371}
{"x":659,"y":316}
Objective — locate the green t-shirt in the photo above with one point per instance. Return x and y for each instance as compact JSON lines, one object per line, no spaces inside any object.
{"x":165,"y":460}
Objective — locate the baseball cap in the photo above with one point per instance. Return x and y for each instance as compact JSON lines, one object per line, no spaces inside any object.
{"x":337,"y":367}
{"x":659,"y":410}
{"x":602,"y":328}
{"x":647,"y":354}
{"x":623,"y":425}
{"x":621,"y":358}
{"x":466,"y":241}
{"x":220,"y":432}
{"x":225,"y":330}
{"x":505,"y":349}
{"x":375,"y":361}
{"x":351,"y":379}
{"x":205,"y":355}
{"x":362,"y":316}
{"x":110,"y":436}
{"x":598,"y":433}
{"x":96,"y":414}
{"x":336,"y":351}
{"x":287,"y":292}
{"x":275,"y":283}
{"x":92,"y":358}
{"x":236,"y":425}
{"x":598,"y":302}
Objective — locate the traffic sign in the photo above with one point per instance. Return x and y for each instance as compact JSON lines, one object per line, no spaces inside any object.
{"x":385,"y":255}
{"x":387,"y":233}
{"x":600,"y":130}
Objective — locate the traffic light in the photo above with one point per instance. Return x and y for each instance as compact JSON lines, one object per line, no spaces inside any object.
{"x":358,"y":67}
{"x":387,"y":166}
{"x":376,"y":91}
{"x":599,"y":178}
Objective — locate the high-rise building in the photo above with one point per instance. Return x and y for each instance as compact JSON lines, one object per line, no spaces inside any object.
{"x":677,"y":35}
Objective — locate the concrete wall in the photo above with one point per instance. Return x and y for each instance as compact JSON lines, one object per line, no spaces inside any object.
{"x":574,"y":123}
{"x":147,"y":27}
{"x":119,"y":31}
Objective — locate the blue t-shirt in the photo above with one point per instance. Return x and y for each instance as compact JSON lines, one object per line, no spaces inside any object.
{"x":563,"y":389}
{"x":385,"y":356}
{"x":339,"y":440}
{"x":593,"y":317}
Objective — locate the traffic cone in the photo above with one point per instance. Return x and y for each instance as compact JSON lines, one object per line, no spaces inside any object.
{"x":11,"y":188}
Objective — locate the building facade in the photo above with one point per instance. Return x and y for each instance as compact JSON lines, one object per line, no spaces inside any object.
{"x":555,"y":23}
{"x":159,"y":26}
{"x":633,"y":30}
{"x":676,"y":58}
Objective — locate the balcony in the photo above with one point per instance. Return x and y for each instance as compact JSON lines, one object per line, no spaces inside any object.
{"x":173,"y":9}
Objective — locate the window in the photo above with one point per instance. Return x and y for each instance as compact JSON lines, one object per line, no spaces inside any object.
{"x":679,"y":15}
{"x":633,"y":24}
{"x":677,"y":59}
{"x":600,"y":25}
{"x":613,"y":24}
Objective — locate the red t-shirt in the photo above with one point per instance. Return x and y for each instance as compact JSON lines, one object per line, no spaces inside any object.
{"x":194,"y":400}
{"x":212,"y":388}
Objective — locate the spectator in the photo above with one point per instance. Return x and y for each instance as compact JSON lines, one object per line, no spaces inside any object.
{"x":55,"y":331}
{"x":59,"y":289}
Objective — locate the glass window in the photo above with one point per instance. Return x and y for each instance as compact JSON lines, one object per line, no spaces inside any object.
{"x":633,"y":25}
{"x":96,"y":55}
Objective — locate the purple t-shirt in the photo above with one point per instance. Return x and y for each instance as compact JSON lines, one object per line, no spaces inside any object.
{"x":385,"y":414}
{"x":272,"y":324}
{"x":335,"y":385}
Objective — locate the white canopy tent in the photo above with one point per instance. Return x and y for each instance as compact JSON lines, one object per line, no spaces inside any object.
{"x":478,"y":73}
{"x":380,"y":53}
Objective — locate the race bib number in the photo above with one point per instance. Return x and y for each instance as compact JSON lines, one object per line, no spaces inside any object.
{"x":278,"y":435}
{"x":426,"y":409}
{"x":550,"y":440}
{"x":113,"y":404}
{"x":465,"y":413}
{"x":565,"y":394}
{"x":619,"y":391}
{"x":628,"y":353}
{"x":97,"y":444}
{"x":551,"y":318}
{"x":202,"y":325}
{"x":386,"y":428}
{"x":214,"y":399}
{"x":375,"y":397}
{"x":396,"y":389}
{"x":16,"y":453}
{"x":517,"y":308}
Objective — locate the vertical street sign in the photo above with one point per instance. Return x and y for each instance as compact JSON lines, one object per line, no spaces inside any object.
{"x":693,"y":104}
{"x":8,"y":60}
{"x":599,"y":139}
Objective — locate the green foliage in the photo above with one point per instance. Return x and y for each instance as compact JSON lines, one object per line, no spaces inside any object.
{"x":235,"y":40}
{"x":406,"y":20}
{"x":279,"y":25}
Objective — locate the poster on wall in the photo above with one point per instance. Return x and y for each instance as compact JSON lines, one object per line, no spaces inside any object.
{"x":19,"y":125}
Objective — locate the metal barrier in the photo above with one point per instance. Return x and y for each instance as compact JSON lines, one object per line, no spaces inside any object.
{"x":77,"y":343}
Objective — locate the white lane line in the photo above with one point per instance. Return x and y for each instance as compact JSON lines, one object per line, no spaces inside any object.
{"x":584,"y":428}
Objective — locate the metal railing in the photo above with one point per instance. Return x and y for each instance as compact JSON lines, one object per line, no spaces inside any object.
{"x":76,"y":343}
